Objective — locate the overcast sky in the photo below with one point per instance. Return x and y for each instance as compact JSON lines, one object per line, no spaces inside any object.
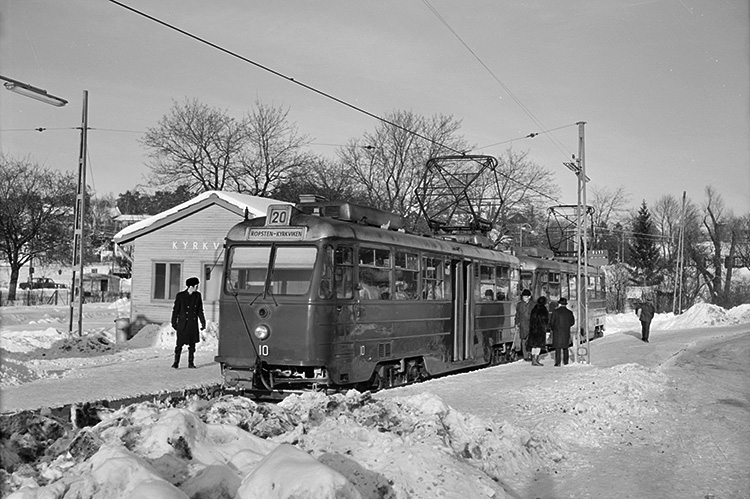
{"x":662,"y":84}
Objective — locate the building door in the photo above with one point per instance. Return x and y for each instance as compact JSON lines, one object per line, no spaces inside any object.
{"x":212,"y":274}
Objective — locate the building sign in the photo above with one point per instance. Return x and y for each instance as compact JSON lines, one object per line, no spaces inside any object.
{"x":196,"y":245}
{"x":275,"y":233}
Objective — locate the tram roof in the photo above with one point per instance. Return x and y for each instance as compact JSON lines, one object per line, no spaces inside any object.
{"x":319,"y":227}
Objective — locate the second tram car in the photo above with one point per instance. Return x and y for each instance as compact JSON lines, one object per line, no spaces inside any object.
{"x":332,"y":295}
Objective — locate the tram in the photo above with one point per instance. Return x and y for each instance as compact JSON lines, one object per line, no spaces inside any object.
{"x":329,"y":295}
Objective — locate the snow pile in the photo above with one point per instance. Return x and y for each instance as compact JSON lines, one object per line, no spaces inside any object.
{"x":164,"y":336}
{"x":27,"y":341}
{"x":741,"y":313}
{"x":309,"y":446}
{"x":94,"y":343}
{"x":324,"y":446}
{"x":700,"y":314}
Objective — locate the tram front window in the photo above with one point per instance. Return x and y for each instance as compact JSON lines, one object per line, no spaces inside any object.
{"x":291,"y":273}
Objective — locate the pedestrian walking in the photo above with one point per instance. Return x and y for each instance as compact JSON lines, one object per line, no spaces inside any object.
{"x":560,"y":322}
{"x":523,"y":317}
{"x":538,"y":322}
{"x":645,"y":312}
{"x":187,"y":311}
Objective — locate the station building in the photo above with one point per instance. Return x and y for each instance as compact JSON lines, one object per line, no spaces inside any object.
{"x":184,"y":241}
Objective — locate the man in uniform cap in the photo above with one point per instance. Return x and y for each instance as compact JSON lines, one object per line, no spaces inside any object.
{"x":187,"y":311}
{"x":560,"y":321}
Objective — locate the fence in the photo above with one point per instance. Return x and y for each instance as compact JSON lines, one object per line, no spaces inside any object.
{"x":29,"y":297}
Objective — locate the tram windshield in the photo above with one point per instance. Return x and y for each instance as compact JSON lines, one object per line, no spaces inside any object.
{"x":290,"y":274}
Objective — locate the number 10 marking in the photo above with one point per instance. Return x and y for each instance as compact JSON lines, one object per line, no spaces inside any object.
{"x":263,"y":350}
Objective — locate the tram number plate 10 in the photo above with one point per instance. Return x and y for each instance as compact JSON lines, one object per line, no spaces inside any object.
{"x":263,"y":350}
{"x":279,"y":214}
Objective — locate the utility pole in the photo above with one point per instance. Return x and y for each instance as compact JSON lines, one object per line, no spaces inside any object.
{"x":76,"y":288}
{"x":680,"y":265}
{"x":582,"y":353}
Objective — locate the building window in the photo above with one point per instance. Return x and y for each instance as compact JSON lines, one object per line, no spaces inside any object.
{"x":167,"y":280}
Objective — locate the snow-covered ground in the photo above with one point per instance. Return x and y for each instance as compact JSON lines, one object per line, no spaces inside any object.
{"x":403,"y":444}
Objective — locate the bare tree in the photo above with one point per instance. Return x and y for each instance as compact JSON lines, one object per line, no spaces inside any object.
{"x":723,"y":236}
{"x":518,"y":186}
{"x":610,"y":205}
{"x":274,"y":151}
{"x":389,"y":163}
{"x":196,"y":146}
{"x":35,"y":215}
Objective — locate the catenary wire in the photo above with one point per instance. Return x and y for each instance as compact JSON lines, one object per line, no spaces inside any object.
{"x":311,"y":88}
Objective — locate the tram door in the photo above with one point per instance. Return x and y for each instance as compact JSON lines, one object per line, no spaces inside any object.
{"x":463,"y":323}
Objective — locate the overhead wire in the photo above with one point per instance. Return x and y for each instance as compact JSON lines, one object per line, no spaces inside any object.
{"x":327,"y":95}
{"x":518,"y":101}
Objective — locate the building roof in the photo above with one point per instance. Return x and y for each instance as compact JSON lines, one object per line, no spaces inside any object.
{"x":232,"y":201}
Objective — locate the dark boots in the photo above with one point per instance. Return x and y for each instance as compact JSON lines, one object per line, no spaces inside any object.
{"x":177,"y":353}
{"x":191,"y":357}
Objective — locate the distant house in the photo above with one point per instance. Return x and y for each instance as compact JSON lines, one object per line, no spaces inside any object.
{"x":185,"y":241}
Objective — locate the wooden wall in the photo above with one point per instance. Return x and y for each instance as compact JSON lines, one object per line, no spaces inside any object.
{"x":194,"y":241}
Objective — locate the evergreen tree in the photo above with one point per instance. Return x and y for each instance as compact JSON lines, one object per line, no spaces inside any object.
{"x":644,"y":254}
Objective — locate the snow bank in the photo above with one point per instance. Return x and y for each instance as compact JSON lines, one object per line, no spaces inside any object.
{"x":27,"y":341}
{"x":164,"y":336}
{"x":699,"y":315}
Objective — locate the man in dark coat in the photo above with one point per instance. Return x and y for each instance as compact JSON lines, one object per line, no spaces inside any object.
{"x":645,"y":312}
{"x":560,"y":321}
{"x":187,"y":311}
{"x":523,"y":317}
{"x":538,"y":330}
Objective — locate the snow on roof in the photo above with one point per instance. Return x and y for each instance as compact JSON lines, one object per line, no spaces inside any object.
{"x":255,"y":205}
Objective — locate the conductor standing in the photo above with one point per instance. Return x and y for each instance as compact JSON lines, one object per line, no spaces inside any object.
{"x":187,"y":311}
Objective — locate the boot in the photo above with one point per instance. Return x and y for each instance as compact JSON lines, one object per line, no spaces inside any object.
{"x":535,"y":361}
{"x":177,"y":354}
{"x":191,"y":359}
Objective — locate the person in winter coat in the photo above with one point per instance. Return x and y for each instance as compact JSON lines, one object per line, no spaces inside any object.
{"x":645,"y":313}
{"x":560,"y":321}
{"x":187,"y":311}
{"x":538,"y":321}
{"x":523,"y":316}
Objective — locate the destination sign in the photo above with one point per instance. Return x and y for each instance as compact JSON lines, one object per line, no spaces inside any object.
{"x":275,"y":233}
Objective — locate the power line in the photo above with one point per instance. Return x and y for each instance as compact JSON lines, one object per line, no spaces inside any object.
{"x":518,"y":102}
{"x":320,"y":92}
{"x":280,"y":75}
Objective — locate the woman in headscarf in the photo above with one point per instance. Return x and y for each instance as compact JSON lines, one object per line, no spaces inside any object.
{"x":538,"y":329}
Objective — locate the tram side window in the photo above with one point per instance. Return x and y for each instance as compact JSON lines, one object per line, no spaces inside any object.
{"x":247,"y":268}
{"x":344,"y":271}
{"x":374,"y":274}
{"x":502,"y":284}
{"x":526,"y":282}
{"x":293,"y":270}
{"x":573,"y":284}
{"x":326,"y":276}
{"x":513,"y":284}
{"x":486,"y":290}
{"x":553,"y":289}
{"x":564,"y":285}
{"x":407,"y":276}
{"x":433,"y":279}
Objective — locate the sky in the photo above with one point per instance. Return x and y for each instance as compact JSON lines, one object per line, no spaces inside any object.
{"x":662,"y":85}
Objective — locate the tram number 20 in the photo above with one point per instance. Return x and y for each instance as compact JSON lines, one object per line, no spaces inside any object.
{"x":263,"y":350}
{"x":279,"y":215}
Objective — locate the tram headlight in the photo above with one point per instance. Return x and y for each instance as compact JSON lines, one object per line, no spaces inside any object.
{"x":262,"y":332}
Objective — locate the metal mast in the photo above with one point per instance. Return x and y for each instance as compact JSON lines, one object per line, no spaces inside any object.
{"x":582,"y":354}
{"x":76,"y":291}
